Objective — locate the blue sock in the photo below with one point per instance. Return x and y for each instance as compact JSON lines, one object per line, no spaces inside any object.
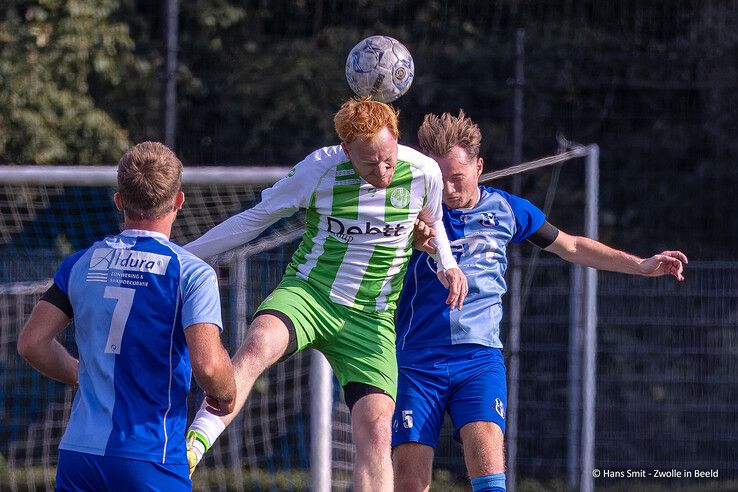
{"x":489,"y":483}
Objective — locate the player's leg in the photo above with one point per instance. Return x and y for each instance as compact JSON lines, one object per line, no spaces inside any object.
{"x":484,"y":455}
{"x":419,"y":412}
{"x":295,"y":316}
{"x":361,"y":351}
{"x":478,"y":409}
{"x":267,"y":341}
{"x":269,"y":337}
{"x":371,"y":424}
{"x":287,"y":321}
{"x":413,"y":466}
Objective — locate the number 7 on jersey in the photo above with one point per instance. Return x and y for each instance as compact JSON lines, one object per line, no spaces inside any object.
{"x":122,"y":309}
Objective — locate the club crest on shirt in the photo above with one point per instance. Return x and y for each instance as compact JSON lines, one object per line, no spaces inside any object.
{"x":489,"y":220}
{"x":400,"y":197}
{"x":499,"y":408}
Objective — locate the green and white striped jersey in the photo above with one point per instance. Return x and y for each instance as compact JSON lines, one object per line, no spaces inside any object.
{"x":357,"y":239}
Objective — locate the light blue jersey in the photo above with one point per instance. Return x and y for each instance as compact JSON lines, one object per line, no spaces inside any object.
{"x":479,"y":238}
{"x":132,"y":296}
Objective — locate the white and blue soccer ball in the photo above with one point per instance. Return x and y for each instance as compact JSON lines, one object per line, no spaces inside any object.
{"x":380,"y":67}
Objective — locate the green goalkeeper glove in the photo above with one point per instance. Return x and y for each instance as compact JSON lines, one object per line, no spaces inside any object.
{"x":197,"y":446}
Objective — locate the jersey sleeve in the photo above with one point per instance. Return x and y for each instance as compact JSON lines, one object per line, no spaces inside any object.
{"x":432,"y":208}
{"x":58,"y":293}
{"x":200,"y":296}
{"x":528,"y":217}
{"x":433,"y":212}
{"x":61,"y":276}
{"x":281,"y":200}
{"x":234,"y":231}
{"x":294,"y":191}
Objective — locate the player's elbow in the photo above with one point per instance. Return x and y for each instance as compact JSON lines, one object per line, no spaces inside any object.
{"x":205,"y":370}
{"x":22,"y":347}
{"x":26,"y":345}
{"x":212,"y":373}
{"x":565,"y":246}
{"x":570,"y":248}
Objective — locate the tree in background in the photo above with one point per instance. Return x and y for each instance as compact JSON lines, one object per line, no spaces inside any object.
{"x":51,"y":51}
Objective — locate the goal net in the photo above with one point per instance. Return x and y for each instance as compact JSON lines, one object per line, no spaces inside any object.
{"x":665,"y":351}
{"x":46,"y":215}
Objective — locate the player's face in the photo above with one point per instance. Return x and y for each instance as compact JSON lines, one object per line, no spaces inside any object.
{"x":374,"y":159}
{"x":460,"y":174}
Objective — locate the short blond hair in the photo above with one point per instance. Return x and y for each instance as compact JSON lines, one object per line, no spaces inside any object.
{"x":149,"y":178}
{"x":363,"y":117}
{"x":438,"y":134}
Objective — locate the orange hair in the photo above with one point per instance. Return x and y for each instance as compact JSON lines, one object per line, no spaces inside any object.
{"x":364,"y":117}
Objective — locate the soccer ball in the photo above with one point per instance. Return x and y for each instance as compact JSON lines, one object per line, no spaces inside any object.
{"x":380,"y":67}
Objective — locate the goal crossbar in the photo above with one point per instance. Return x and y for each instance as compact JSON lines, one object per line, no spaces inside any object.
{"x":106,"y":175}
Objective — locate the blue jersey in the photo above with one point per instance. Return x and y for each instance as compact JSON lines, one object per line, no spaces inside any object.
{"x":132,"y":296}
{"x":479,"y":238}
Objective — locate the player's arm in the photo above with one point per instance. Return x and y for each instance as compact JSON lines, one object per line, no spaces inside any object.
{"x":236,"y":230}
{"x":281,"y":200}
{"x":38,"y":345}
{"x":588,"y":252}
{"x":423,"y":235}
{"x":449,"y":272}
{"x":202,"y":318}
{"x":211,"y":366}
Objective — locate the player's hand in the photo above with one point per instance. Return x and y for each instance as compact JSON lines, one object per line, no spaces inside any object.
{"x":219,"y":406}
{"x":455,"y":281}
{"x":195,"y":450}
{"x":665,"y":263}
{"x":422,"y":235}
{"x":191,"y":458}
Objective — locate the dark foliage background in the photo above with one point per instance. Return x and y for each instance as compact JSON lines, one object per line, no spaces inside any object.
{"x":654,"y":83}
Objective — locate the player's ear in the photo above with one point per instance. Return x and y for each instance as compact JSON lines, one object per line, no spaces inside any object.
{"x":480,"y":166}
{"x":118,"y":201}
{"x":179,"y":200}
{"x":345,"y":150}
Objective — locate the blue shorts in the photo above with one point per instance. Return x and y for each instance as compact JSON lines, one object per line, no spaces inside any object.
{"x":83,"y":472}
{"x":465,"y":380}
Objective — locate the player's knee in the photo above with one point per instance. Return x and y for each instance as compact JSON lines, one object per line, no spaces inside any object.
{"x":266,"y":339}
{"x":411,"y":478}
{"x":371,"y":419}
{"x":411,"y":482}
{"x":373,"y":438}
{"x":411,"y":472}
{"x":376,"y":438}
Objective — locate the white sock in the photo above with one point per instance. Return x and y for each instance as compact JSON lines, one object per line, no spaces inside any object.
{"x":208,"y":426}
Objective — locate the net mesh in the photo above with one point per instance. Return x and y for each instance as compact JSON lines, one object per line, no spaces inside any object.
{"x":267,"y":448}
